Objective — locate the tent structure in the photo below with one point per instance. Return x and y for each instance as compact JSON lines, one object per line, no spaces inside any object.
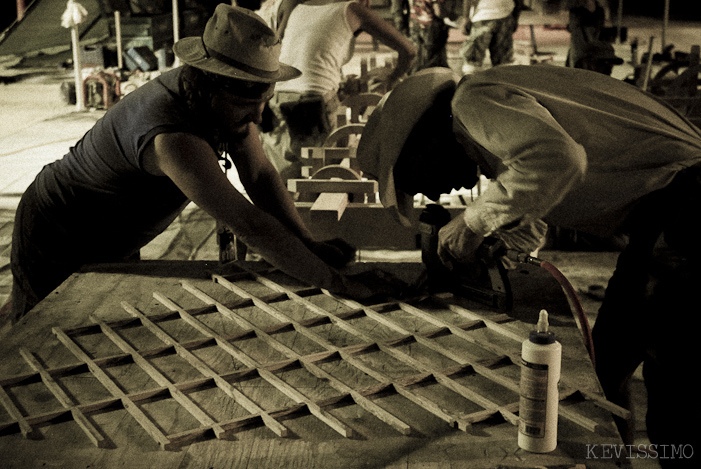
{"x":40,"y":31}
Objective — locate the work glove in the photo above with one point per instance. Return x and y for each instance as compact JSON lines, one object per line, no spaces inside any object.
{"x":457,"y":243}
{"x":374,"y":286}
{"x":335,"y":252}
{"x":526,"y":238}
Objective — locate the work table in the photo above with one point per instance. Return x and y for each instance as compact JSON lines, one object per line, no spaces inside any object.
{"x":159,"y":364}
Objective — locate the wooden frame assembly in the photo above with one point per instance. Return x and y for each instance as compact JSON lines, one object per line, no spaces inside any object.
{"x":288,"y":352}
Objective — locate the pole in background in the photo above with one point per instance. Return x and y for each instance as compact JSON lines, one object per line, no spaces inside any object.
{"x":619,"y":22}
{"x":74,"y":15}
{"x":20,"y":9}
{"x":665,"y":23}
{"x":118,"y":34}
{"x":176,"y":28}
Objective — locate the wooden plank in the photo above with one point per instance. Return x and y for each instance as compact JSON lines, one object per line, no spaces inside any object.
{"x":314,"y":446}
{"x":346,"y":186}
{"x":329,"y":207}
{"x":328,"y":153}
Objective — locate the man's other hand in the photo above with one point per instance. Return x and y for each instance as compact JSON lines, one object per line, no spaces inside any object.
{"x":335,"y":252}
{"x":457,"y":243}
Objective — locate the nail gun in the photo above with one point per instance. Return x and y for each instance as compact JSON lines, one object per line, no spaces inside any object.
{"x":485,"y":281}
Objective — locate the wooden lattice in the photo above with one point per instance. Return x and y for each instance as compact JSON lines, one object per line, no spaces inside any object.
{"x":430,"y":352}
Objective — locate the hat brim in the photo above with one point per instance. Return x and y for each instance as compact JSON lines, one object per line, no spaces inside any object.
{"x":388,"y":128}
{"x":191,"y":51}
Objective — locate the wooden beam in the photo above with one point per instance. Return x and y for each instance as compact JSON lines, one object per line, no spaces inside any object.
{"x":328,"y":207}
{"x":332,"y":186}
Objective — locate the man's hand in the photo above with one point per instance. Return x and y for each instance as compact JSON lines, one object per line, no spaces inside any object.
{"x":375,"y":286}
{"x":335,"y":252}
{"x":457,"y":243}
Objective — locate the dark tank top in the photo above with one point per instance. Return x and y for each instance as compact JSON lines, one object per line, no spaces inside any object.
{"x":98,"y":196}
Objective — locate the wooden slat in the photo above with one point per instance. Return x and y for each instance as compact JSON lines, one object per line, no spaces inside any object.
{"x":142,"y":419}
{"x":83,"y":422}
{"x":329,"y":207}
{"x":346,"y":186}
{"x":24,"y":426}
{"x":368,"y":405}
{"x":281,"y":385}
{"x":402,"y":356}
{"x":161,"y":379}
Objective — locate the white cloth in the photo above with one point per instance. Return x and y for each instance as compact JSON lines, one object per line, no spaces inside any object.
{"x":492,"y":10}
{"x":318,"y":41}
{"x":74,"y":15}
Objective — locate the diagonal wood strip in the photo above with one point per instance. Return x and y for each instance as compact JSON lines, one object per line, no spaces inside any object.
{"x":161,"y":379}
{"x":361,"y":400}
{"x":440,"y":377}
{"x":66,"y":401}
{"x":270,"y":377}
{"x":142,"y":419}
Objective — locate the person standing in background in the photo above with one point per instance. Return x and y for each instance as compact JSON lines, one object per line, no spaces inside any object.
{"x":586,"y":20}
{"x":489,"y":26}
{"x":318,"y":39}
{"x":430,"y":33}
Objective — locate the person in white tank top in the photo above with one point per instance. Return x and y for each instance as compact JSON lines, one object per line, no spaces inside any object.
{"x":318,"y":38}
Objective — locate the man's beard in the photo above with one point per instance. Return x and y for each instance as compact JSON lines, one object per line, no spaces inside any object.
{"x":235,"y":135}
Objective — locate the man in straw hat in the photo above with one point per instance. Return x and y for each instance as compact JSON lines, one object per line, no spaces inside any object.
{"x":158,"y":149}
{"x":579,"y":150}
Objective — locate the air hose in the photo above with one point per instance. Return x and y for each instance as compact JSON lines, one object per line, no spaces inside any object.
{"x":571,"y":293}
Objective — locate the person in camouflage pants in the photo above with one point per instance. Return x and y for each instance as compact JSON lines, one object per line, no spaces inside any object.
{"x":488,"y":27}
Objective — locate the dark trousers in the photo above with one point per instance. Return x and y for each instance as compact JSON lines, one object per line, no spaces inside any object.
{"x":430,"y":41}
{"x":45,"y":252}
{"x":651,"y":315}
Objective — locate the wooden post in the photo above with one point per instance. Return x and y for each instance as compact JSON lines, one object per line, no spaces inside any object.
{"x":619,"y":22}
{"x":648,"y":68}
{"x":176,"y":28}
{"x":118,"y":37}
{"x":78,"y":69}
{"x":665,"y":23}
{"x":20,"y":9}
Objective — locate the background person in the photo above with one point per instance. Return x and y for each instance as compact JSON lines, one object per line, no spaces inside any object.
{"x":489,"y":26}
{"x":318,"y":39}
{"x":430,"y":33}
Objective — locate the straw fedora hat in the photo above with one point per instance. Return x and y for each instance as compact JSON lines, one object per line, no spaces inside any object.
{"x":236,"y":43}
{"x":389,"y":126}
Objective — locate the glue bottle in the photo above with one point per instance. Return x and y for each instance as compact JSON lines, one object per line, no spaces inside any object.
{"x":541,"y":356}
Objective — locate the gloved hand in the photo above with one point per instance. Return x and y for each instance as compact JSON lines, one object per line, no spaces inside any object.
{"x":374,"y":286}
{"x":335,"y":252}
{"x":457,"y":243}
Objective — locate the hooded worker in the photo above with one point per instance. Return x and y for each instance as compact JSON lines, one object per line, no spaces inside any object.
{"x":574,"y":149}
